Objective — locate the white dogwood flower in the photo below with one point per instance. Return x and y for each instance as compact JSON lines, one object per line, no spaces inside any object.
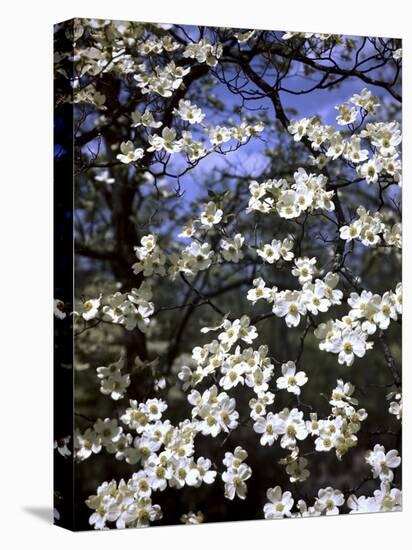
{"x":329,"y":500}
{"x":235,"y":481}
{"x":129,"y":153}
{"x":280,"y":504}
{"x":230,"y":249}
{"x":289,"y":304}
{"x":91,"y":308}
{"x":370,"y":170}
{"x":189,"y":112}
{"x":291,"y":426}
{"x":267,"y":426}
{"x":260,"y":291}
{"x":347,"y":114}
{"x":304,"y":269}
{"x":291,"y":380}
{"x":211,"y":215}
{"x":383,"y":463}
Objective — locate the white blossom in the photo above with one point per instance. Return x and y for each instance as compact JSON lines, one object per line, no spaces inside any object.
{"x":129,"y":153}
{"x":291,"y":380}
{"x":280,"y":504}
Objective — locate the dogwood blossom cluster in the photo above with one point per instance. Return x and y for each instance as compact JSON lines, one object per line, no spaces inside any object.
{"x":280,"y":505}
{"x":91,"y":96}
{"x":105,"y":434}
{"x":122,"y":504}
{"x":380,"y":155}
{"x":288,"y":425}
{"x":169,"y":142}
{"x":347,"y":337}
{"x":218,"y":135}
{"x":112,"y":381}
{"x":339,"y":430}
{"x":204,"y":52}
{"x":349,"y":113}
{"x":387,"y":498}
{"x":162,"y":81}
{"x":236,"y":474}
{"x":241,"y":366}
{"x":131,"y":309}
{"x":378,"y":311}
{"x":95,"y":60}
{"x":371,"y":230}
{"x":384,"y":499}
{"x":213,"y":412}
{"x":273,"y":251}
{"x":194,"y":258}
{"x":330,"y":501}
{"x":315,"y":297}
{"x":157,"y":44}
{"x":306,"y":194}
{"x":151,"y":259}
{"x":230,"y":249}
{"x":385,"y":138}
{"x":174,"y":466}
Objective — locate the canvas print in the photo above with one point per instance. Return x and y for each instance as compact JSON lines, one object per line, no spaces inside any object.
{"x":228,"y":292}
